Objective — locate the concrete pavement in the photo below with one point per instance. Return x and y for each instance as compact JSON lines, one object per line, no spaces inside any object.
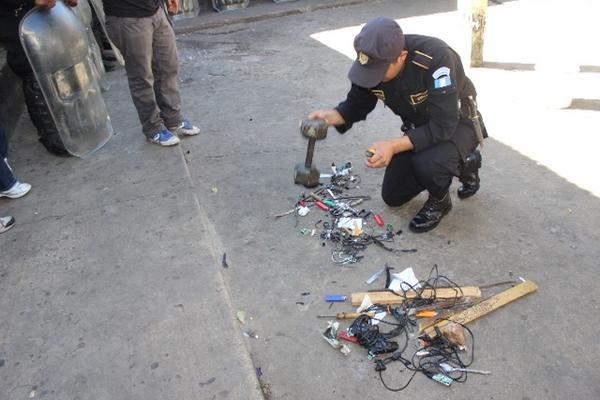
{"x":111,"y":284}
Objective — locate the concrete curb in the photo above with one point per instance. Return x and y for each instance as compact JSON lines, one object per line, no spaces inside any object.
{"x":259,"y":12}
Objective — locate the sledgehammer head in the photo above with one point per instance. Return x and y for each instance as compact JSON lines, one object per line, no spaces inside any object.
{"x":313,"y":128}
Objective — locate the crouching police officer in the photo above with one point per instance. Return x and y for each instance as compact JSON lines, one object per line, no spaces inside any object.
{"x":11,"y":14}
{"x":422,"y":80}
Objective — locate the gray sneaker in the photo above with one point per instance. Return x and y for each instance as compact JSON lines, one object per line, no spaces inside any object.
{"x":6,"y":223}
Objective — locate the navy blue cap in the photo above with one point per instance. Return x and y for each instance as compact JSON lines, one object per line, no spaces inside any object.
{"x":378,"y":44}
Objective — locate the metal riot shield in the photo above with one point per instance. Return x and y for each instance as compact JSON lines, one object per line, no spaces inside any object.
{"x":99,"y":10}
{"x":84,"y":12}
{"x":57,"y":47}
{"x":226,"y":5}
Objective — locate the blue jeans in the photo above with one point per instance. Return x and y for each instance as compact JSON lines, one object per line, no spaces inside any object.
{"x":7,"y":179}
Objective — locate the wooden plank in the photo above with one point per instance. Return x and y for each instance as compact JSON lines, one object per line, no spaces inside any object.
{"x":485,"y":307}
{"x":387,"y":297}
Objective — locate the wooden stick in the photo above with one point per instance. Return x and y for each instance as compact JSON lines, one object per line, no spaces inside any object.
{"x":485,"y":307}
{"x":387,"y":297}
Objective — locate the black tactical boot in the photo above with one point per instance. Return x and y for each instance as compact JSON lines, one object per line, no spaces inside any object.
{"x":431,"y":214}
{"x":470,"y":176}
{"x":41,"y":118}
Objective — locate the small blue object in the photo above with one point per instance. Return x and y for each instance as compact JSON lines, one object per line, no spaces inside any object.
{"x":335,"y":298}
{"x":442,"y":82}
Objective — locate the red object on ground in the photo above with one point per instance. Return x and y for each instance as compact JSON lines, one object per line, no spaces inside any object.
{"x":344,"y":336}
{"x":322,"y":206}
{"x":378,"y":219}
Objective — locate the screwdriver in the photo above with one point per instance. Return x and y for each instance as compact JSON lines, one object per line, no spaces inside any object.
{"x":347,"y":315}
{"x":449,"y":368}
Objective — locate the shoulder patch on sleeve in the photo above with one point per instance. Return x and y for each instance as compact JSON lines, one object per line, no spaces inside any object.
{"x":421,"y":59}
{"x":441,"y":77}
{"x":441,"y":71}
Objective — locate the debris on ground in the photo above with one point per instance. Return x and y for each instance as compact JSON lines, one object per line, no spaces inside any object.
{"x":335,"y":298}
{"x":266,"y":389}
{"x":330,"y":335}
{"x":432,"y":313}
{"x":250,"y":334}
{"x":224,"y":261}
{"x":241,"y":316}
{"x":349,"y":228}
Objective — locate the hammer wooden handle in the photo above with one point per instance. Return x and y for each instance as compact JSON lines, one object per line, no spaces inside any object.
{"x":353,"y":315}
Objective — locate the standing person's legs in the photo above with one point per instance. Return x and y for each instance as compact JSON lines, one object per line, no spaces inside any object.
{"x":9,"y":185}
{"x":134,"y":37}
{"x":7,"y":179}
{"x":165,"y":67}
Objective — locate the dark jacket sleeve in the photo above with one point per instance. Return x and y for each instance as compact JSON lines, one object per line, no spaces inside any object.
{"x":442,"y":104}
{"x":358,"y":104}
{"x":16,"y":3}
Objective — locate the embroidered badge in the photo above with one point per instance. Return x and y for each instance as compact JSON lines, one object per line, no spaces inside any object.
{"x":441,"y":78}
{"x":418,"y":98}
{"x":363,"y":59}
{"x":380,"y":94}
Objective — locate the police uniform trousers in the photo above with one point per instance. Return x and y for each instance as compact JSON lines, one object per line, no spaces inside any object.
{"x":7,"y":179}
{"x":432,"y":169}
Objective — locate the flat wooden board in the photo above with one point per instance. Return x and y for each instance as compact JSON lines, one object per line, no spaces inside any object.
{"x":387,"y":297}
{"x":485,"y":307}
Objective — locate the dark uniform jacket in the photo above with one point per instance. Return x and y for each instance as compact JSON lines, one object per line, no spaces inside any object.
{"x":11,"y":13}
{"x":425,"y":95}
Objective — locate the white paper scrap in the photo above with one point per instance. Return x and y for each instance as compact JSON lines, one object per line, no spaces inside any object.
{"x":408,"y":275}
{"x":366,"y":303}
{"x":349,"y":223}
{"x":378,"y":317}
{"x":303,"y":211}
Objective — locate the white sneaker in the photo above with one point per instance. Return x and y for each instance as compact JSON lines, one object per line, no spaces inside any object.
{"x":185,"y":128}
{"x":19,"y":189}
{"x":6,"y":223}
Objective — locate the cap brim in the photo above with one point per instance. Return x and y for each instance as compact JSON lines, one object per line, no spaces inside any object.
{"x":367,"y":76}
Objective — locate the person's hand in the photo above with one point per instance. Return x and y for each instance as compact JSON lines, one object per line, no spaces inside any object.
{"x":45,"y":4}
{"x":384,"y":151}
{"x":331,"y":117}
{"x":71,"y":3}
{"x":173,"y":7}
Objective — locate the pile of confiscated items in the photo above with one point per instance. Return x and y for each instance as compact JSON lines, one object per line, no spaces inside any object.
{"x":347,"y":227}
{"x":431,"y":313}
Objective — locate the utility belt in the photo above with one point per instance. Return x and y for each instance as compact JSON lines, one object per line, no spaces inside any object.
{"x":468,"y":109}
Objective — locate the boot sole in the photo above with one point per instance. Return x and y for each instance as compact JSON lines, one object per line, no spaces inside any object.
{"x":463,"y":196}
